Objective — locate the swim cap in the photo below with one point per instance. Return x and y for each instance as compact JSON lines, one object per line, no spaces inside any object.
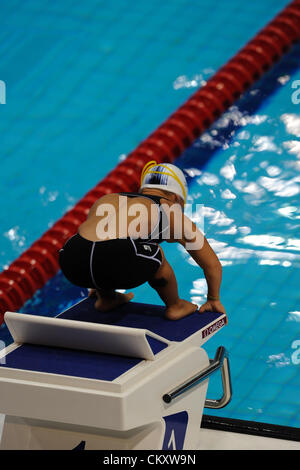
{"x":164,"y":176}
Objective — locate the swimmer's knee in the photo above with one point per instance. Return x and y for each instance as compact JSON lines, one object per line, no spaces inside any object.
{"x":157,"y":283}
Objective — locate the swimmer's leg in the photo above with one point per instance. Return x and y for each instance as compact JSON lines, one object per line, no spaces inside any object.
{"x":165,"y":284}
{"x":108,"y":299}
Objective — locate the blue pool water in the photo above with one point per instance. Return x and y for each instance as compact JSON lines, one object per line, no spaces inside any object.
{"x":86,"y":82}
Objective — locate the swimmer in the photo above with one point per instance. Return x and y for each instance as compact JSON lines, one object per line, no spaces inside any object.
{"x":118,"y":246}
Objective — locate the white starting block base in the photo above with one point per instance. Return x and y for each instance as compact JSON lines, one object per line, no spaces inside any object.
{"x":104,"y":389}
{"x":39,"y":435}
{"x":176,"y":425}
{"x":2,"y":417}
{"x":25,"y":434}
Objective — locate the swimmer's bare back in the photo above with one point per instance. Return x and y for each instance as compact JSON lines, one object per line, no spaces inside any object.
{"x":115,"y":213}
{"x":191,"y":239}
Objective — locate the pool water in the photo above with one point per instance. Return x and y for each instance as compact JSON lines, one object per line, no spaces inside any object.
{"x":86,"y":82}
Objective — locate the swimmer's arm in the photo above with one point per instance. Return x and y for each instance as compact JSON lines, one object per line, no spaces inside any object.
{"x":206,"y":258}
{"x":184,"y":231}
{"x":200,"y":250}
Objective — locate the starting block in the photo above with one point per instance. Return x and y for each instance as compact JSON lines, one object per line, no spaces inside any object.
{"x":125,"y":379}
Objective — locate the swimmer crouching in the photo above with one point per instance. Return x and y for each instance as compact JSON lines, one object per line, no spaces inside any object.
{"x":119,"y":245}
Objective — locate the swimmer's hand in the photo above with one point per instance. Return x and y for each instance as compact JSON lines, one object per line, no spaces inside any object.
{"x":212,"y":306}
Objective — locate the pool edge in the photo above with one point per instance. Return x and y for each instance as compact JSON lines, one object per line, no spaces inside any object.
{"x":251,"y":427}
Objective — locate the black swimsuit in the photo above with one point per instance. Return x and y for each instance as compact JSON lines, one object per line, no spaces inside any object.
{"x":122,"y":263}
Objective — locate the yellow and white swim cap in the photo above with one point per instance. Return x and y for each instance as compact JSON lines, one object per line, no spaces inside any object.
{"x":164,"y":176}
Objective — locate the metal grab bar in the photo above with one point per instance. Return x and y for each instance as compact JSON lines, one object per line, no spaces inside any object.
{"x":221,"y":361}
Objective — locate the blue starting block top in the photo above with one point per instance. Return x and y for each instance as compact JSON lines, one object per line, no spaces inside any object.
{"x":137,"y":315}
{"x":100,"y":366}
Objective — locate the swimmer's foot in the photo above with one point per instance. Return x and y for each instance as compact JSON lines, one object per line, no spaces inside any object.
{"x":181,"y":309}
{"x":92,"y":293}
{"x":105,"y":303}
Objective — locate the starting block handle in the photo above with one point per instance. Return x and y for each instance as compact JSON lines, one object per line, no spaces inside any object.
{"x":221,"y":361}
